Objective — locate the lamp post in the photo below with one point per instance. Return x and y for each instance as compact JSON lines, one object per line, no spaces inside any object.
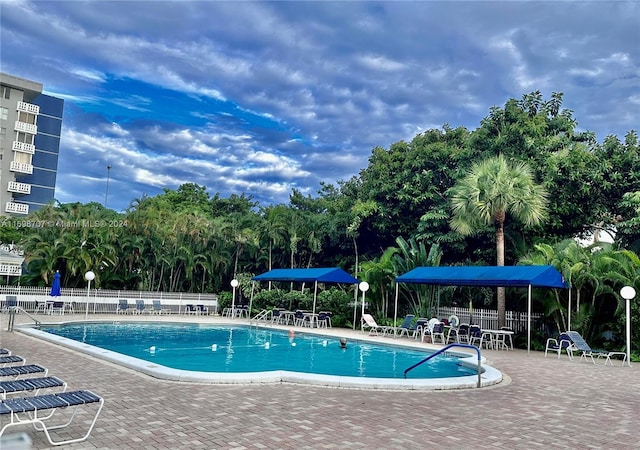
{"x":89,"y":276}
{"x":628,"y":293}
{"x":234,"y":285}
{"x":364,"y":287}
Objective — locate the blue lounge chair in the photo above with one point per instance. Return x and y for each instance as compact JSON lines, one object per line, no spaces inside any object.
{"x":11,"y":360}
{"x":30,"y":385}
{"x":405,"y":327}
{"x":158,"y":309}
{"x":5,"y":352}
{"x":17,"y":371}
{"x":141,"y":308}
{"x":123,"y":306}
{"x":580,"y":345}
{"x":557,"y":345}
{"x":38,"y":411}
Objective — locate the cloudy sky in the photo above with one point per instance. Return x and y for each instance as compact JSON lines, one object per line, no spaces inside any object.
{"x":264,"y":97}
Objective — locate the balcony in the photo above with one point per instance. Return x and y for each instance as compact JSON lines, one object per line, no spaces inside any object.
{"x":26,"y":127}
{"x":10,"y":269}
{"x":21,"y":167}
{"x":29,"y":107}
{"x":23,"y":147}
{"x":17,"y":208}
{"x":19,"y":188}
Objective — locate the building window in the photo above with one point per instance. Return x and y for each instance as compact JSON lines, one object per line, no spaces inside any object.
{"x":26,"y":117}
{"x":6,"y":92}
{"x":4,"y":113}
{"x":25,"y":138}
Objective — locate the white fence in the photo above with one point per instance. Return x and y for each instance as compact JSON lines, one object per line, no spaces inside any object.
{"x":488,"y":318}
{"x":101,"y":301}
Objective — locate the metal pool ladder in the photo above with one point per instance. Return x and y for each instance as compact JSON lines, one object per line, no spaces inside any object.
{"x":12,"y":317}
{"x":442,"y":350}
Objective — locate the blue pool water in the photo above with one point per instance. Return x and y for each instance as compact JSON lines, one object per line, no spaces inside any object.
{"x":239,"y":349}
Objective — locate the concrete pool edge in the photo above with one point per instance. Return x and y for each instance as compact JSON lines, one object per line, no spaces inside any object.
{"x":489,"y":377}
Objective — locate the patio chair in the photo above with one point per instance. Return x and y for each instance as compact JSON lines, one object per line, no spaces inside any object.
{"x":368,"y":322}
{"x":418,"y":328}
{"x":434,"y":331}
{"x":17,"y":371}
{"x":10,"y":302}
{"x":580,"y":345}
{"x":462,"y":333}
{"x":475,"y":336}
{"x":39,"y":410}
{"x":405,"y":327}
{"x":324,"y":319}
{"x":56,"y":307}
{"x":158,"y":309}
{"x":123,"y":306}
{"x":437,"y":334}
{"x":300,"y":320}
{"x":32,"y":385}
{"x":563,"y":342}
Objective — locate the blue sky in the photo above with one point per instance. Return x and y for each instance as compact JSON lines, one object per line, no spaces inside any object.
{"x":264,"y":97}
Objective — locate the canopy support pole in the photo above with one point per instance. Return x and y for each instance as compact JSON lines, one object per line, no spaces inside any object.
{"x":253,"y":284}
{"x":395,"y":314}
{"x":569,"y":312}
{"x":315,"y":295}
{"x":529,"y":322}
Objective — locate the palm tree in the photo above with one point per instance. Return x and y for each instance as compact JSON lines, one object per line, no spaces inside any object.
{"x":492,"y":189}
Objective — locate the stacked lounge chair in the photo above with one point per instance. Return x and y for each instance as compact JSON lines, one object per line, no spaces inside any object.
{"x":38,"y":409}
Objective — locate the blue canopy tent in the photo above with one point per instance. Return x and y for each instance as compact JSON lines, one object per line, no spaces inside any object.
{"x":499,"y":276}
{"x":316,"y":275}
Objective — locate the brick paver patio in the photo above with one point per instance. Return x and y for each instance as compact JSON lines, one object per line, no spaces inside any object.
{"x":543,"y":403}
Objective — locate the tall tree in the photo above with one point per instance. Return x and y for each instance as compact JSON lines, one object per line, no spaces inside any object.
{"x":492,"y":189}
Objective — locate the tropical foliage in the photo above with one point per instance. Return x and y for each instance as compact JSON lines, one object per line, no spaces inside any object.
{"x":395,"y":214}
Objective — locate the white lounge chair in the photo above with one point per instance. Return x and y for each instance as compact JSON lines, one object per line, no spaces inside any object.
{"x":369,"y":323}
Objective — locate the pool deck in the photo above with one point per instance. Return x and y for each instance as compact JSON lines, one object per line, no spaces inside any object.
{"x":542,"y":402}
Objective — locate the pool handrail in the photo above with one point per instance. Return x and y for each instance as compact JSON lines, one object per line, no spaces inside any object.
{"x":442,"y":350}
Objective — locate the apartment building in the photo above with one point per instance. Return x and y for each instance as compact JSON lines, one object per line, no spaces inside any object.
{"x":30,"y":125}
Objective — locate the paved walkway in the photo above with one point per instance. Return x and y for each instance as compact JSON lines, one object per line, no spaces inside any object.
{"x":543,"y":403}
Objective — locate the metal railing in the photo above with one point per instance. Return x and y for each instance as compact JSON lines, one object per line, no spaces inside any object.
{"x":103,"y":301}
{"x":442,"y":350}
{"x":12,"y":317}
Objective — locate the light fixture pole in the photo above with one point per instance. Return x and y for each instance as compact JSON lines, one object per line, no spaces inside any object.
{"x":234,"y":285}
{"x":628,"y":293}
{"x":106,"y":192}
{"x":364,"y":287}
{"x":89,"y":276}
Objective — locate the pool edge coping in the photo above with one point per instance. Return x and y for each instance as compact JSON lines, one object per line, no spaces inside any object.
{"x":489,"y":377}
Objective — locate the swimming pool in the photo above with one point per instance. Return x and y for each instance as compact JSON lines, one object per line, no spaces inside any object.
{"x":242,"y":354}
